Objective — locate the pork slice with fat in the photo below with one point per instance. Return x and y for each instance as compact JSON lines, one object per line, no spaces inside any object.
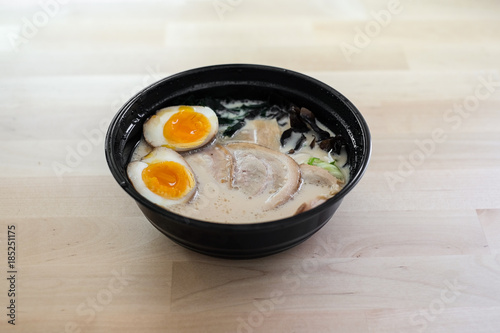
{"x":260,"y":131}
{"x":215,"y":159}
{"x":321,"y":178}
{"x":262,"y":171}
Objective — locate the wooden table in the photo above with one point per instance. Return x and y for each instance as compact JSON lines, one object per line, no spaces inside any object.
{"x":413,"y":248}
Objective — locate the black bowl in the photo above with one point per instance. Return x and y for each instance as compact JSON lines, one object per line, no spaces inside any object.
{"x":238,"y":81}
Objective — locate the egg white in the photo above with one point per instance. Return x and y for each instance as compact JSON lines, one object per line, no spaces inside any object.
{"x":160,"y":154}
{"x":153,"y":128}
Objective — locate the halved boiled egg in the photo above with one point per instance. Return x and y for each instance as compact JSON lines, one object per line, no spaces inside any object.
{"x":163,"y":177}
{"x":181,"y":127}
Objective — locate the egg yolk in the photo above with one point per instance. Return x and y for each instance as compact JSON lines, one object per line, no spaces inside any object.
{"x":170,"y":180}
{"x":186,"y":126}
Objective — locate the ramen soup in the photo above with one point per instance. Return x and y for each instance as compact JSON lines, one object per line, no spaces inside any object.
{"x":238,"y":161}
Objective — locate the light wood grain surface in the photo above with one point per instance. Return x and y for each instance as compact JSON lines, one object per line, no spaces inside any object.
{"x":415,"y":247}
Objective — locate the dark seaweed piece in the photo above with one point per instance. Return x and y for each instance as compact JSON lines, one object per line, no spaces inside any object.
{"x":300,"y":141}
{"x":252,"y":109}
{"x":334,"y":144}
{"x":213,"y":104}
{"x":253,"y":113}
{"x":227,"y":121}
{"x":313,"y":143}
{"x":232,"y":129}
{"x":254,"y":106}
{"x":233,"y":110}
{"x":285,"y":136}
{"x":277,"y":112}
{"x":249,"y":111}
{"x":310,"y":119}
{"x":280,"y":115}
{"x":244,"y":112}
{"x":296,"y":122}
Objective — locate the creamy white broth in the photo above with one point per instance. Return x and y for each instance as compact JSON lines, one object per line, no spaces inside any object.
{"x":216,"y":201}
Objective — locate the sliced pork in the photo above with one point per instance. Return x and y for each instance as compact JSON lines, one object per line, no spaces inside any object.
{"x":262,"y":171}
{"x":320,"y":178}
{"x":217,"y":160}
{"x":260,"y":131}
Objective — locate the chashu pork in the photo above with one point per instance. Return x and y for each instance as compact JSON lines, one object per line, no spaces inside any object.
{"x":215,"y":159}
{"x":260,"y":131}
{"x":262,"y":171}
{"x":321,"y":178}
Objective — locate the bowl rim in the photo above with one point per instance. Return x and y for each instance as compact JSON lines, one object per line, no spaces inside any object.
{"x":247,"y":226}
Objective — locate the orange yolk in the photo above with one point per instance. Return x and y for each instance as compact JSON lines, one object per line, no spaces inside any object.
{"x":186,"y":126}
{"x":170,"y":180}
